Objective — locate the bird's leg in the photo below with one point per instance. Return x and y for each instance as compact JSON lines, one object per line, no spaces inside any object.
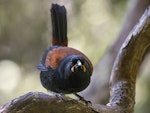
{"x":82,"y":99}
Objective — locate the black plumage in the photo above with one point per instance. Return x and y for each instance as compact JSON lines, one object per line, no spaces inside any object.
{"x":63,"y":69}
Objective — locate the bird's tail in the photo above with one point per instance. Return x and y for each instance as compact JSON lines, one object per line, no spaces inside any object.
{"x":59,"y":25}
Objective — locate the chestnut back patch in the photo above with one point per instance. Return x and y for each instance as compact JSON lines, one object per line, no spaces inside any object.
{"x":54,"y":56}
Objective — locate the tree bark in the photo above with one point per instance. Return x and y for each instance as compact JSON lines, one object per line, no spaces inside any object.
{"x":103,"y":68}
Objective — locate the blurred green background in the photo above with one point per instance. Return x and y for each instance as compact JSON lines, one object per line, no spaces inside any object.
{"x":25,"y":33}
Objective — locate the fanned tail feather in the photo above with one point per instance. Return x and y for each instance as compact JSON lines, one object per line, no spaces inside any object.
{"x":59,"y":25}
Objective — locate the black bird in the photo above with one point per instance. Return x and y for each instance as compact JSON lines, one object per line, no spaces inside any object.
{"x":64,"y":70}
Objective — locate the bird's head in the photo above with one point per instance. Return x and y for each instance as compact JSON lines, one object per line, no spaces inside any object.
{"x":75,"y":65}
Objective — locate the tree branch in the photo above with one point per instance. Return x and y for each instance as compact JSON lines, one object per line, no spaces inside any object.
{"x":104,"y":66}
{"x":37,"y":102}
{"x":122,"y":82}
{"x":130,"y":56}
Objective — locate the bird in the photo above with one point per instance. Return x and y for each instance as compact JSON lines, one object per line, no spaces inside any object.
{"x":63,"y":69}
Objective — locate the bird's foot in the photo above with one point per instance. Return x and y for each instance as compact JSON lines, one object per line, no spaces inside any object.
{"x":62,"y":97}
{"x":82,"y":99}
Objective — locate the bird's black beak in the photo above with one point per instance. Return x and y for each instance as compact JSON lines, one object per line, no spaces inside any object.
{"x":41,"y":67}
